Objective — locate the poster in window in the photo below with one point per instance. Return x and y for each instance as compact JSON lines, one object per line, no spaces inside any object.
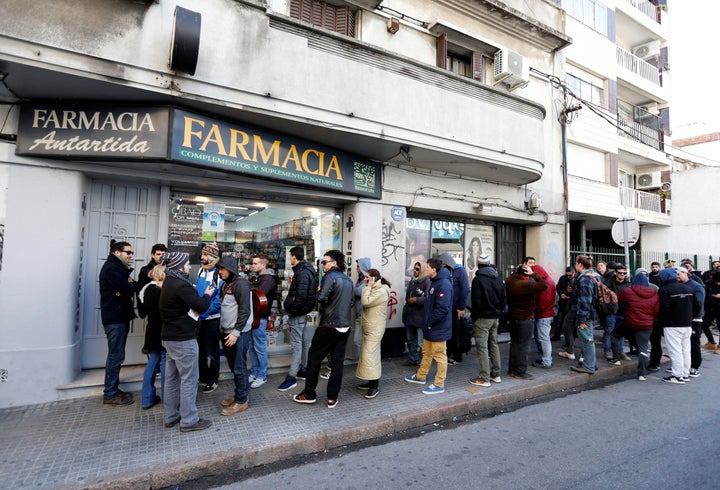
{"x":213,"y":217}
{"x":479,"y":240}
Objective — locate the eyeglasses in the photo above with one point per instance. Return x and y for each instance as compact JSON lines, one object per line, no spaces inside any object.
{"x":325,"y":262}
{"x":620,"y":273}
{"x":416,"y":268}
{"x":129,"y":252}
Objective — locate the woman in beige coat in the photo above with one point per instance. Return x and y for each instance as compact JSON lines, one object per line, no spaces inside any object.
{"x":375,"y":297}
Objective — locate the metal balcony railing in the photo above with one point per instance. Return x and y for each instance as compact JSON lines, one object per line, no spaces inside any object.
{"x":640,"y":125}
{"x":640,"y":67}
{"x":646,"y":8}
{"x":633,"y":198}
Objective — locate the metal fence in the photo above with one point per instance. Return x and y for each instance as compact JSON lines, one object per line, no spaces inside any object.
{"x":643,"y":258}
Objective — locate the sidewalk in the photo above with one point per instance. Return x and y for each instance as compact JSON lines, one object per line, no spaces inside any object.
{"x":82,"y":443}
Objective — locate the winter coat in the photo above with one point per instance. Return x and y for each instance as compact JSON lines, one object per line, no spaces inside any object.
{"x":177,"y":298}
{"x":336,"y":299}
{"x":544,"y":300}
{"x":439,"y":308}
{"x":461,"y":287}
{"x":642,"y":306}
{"x":487,"y":293}
{"x":116,"y":292}
{"x":581,"y":309}
{"x":521,"y":291}
{"x":677,"y":304}
{"x":150,"y":297}
{"x":236,"y":307}
{"x":302,"y":295}
{"x":699,"y":292}
{"x":206,"y":276}
{"x":373,"y":319}
{"x":413,"y":315}
{"x":365,"y":265}
{"x":712,"y":303}
{"x":267,"y":283}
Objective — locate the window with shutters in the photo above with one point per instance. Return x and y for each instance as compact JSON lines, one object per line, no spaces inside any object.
{"x":477,"y":65}
{"x":337,"y":18}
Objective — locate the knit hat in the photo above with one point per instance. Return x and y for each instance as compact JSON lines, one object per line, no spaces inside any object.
{"x":175,"y":260}
{"x":484,"y":259}
{"x":212,"y":251}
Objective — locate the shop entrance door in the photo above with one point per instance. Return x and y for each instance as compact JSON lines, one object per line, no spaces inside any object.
{"x":123,"y":212}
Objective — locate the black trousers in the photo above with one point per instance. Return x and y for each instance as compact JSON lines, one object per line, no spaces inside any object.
{"x":655,"y":348}
{"x":520,"y":335}
{"x":327,"y":340}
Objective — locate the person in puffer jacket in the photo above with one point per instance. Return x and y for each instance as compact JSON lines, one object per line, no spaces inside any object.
{"x":544,"y":314}
{"x":642,"y":306}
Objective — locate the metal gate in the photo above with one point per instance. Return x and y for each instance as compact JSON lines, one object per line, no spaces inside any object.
{"x":123,"y":212}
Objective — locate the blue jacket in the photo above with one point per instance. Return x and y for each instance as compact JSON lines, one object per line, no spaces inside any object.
{"x":438,"y":308}
{"x":205,"y":277}
{"x":461,"y":287}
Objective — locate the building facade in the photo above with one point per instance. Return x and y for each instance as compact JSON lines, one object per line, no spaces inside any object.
{"x":394,"y":129}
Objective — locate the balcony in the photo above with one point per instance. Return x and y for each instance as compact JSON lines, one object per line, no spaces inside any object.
{"x":646,"y":8}
{"x":638,"y":124}
{"x":638,"y":66}
{"x":633,"y":198}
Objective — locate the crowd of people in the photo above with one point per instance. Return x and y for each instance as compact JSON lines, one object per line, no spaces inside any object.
{"x":188,"y":321}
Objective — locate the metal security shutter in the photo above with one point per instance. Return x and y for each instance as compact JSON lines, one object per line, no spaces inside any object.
{"x":477,"y":66}
{"x":318,"y":13}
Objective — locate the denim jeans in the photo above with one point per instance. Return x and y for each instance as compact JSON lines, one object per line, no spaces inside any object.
{"x":300,"y":337}
{"x":209,"y":353}
{"x":155,"y":365}
{"x":641,"y":340}
{"x":181,"y":382}
{"x":587,"y":348}
{"x":520,"y":335}
{"x":485,"y":333}
{"x":414,"y":343}
{"x":612,"y":322}
{"x":237,"y":361}
{"x":258,"y":352}
{"x":117,"y":334}
{"x":542,"y":336}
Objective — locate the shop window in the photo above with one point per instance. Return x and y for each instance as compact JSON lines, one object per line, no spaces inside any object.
{"x":244,"y":228}
{"x":337,"y":18}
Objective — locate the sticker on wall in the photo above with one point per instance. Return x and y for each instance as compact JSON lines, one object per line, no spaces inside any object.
{"x":397,"y":213}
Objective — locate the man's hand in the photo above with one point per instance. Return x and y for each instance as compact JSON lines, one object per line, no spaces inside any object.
{"x":230,"y":340}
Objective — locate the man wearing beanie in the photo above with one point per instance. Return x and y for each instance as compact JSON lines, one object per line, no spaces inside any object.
{"x":678,"y":307}
{"x":209,"y":337}
{"x":180,"y":308}
{"x":488,"y":302}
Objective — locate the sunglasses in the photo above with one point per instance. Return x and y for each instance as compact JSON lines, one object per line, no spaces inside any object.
{"x":325,"y":262}
{"x":129,"y":252}
{"x":620,"y":273}
{"x":416,"y":268}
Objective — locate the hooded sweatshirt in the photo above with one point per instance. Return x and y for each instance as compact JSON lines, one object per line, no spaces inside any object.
{"x":677,"y":301}
{"x":459,"y":280}
{"x":487,"y":293}
{"x":641,"y":303}
{"x":544,"y":300}
{"x":365,"y":265}
{"x":521,"y":293}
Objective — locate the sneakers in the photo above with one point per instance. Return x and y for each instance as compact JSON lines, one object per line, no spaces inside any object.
{"x":227,"y":401}
{"x":523,"y":376}
{"x":364,"y":386}
{"x":325,"y":374}
{"x":289,"y":383}
{"x":539,"y":364}
{"x":668,"y":370}
{"x":694,"y":373}
{"x":673,"y":379}
{"x":608,"y":356}
{"x":717,"y":351}
{"x":332,"y":403}
{"x":412,"y":378}
{"x":431,"y":389}
{"x":480,"y":381}
{"x":251,"y":378}
{"x":567,"y":355}
{"x":581,"y":369}
{"x":623,"y":357}
{"x":302,"y":398}
{"x":170,"y":425}
{"x":257,"y":383}
{"x":301,"y":375}
{"x":209,"y":388}
{"x":653,"y":369}
{"x":450,"y":361}
{"x":234,"y":408}
{"x":709,"y":345}
{"x":642,"y":378}
{"x":372,"y":393}
{"x":614,"y":362}
{"x":201,"y":424}
{"x":495,"y":379}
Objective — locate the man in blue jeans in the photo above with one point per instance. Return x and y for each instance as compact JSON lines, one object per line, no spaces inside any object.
{"x":116,"y":309}
{"x":266,"y":281}
{"x":299,"y":301}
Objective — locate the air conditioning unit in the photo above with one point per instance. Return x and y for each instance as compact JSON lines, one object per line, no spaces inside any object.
{"x":647,"y":50}
{"x":651,"y":180}
{"x":511,"y":68}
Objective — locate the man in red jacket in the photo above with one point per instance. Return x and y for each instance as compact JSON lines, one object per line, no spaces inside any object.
{"x":544,"y":314}
{"x":521,"y":291}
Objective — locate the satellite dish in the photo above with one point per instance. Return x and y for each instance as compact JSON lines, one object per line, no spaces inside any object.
{"x":665,"y":186}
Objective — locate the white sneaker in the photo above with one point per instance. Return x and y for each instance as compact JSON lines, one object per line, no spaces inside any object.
{"x":642,"y":378}
{"x":251,"y":378}
{"x":258,"y":383}
{"x":566,"y":355}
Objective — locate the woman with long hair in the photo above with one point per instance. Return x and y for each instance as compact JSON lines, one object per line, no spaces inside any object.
{"x":375,"y":297}
{"x":149,"y":296}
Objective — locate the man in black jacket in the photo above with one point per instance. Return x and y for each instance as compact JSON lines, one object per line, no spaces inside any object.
{"x":678,"y":307}
{"x":488,"y":302}
{"x":117,"y":289}
{"x":299,"y":301}
{"x":180,"y":309}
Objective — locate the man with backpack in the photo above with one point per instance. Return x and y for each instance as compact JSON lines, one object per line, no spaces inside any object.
{"x":299,"y":301}
{"x":582,"y":314}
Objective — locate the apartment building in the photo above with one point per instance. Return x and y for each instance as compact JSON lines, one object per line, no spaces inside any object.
{"x":391,"y":129}
{"x":617,"y":67}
